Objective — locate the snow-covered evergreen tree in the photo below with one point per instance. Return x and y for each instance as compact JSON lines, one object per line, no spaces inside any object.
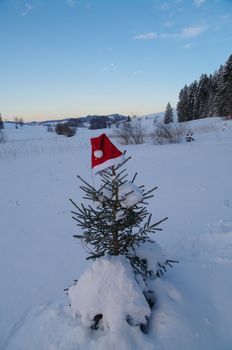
{"x":211,"y":95}
{"x":202,"y":98}
{"x":115,"y":230}
{"x":1,"y":122}
{"x":224,"y":90}
{"x":118,"y":221}
{"x":182,"y":109}
{"x":191,"y":105}
{"x":168,"y":116}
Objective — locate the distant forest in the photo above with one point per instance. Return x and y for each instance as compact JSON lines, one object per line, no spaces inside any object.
{"x":209,"y":96}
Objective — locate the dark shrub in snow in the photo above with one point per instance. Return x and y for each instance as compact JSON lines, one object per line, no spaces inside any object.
{"x":65,"y":129}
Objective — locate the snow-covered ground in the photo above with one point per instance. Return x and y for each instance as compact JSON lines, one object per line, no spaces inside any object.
{"x":39,"y":257}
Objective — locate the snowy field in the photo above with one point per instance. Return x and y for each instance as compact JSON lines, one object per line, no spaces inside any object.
{"x":39,"y":257}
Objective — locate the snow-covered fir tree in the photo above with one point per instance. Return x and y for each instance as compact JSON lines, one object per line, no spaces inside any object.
{"x":191,"y":105}
{"x":168,"y":115}
{"x":115,"y":229}
{"x":212,"y":111}
{"x":224,"y":90}
{"x":117,"y":221}
{"x":209,"y":96}
{"x":182,"y":109}
{"x":202,"y":97}
{"x":1,"y":122}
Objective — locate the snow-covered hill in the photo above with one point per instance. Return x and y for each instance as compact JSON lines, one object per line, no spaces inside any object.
{"x":39,"y":257}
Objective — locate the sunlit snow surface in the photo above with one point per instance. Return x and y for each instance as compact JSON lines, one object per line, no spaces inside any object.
{"x":39,"y":257}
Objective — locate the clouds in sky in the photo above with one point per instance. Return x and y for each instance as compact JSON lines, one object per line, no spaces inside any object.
{"x":225,"y":17}
{"x":198,"y":3}
{"x":84,"y":4}
{"x":185,"y":33}
{"x":187,"y":46}
{"x":191,"y":32}
{"x":168,"y":5}
{"x":71,"y":3}
{"x":109,"y":67}
{"x":27,"y":8}
{"x":175,"y":8}
{"x":165,"y":6}
{"x":146,"y":36}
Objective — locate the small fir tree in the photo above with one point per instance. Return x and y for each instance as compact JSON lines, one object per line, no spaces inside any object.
{"x":1,"y":122}
{"x":168,"y":116}
{"x":118,"y":221}
{"x":116,"y":228}
{"x":16,"y":120}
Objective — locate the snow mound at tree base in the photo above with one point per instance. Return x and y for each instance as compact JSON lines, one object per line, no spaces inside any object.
{"x":56,"y":327}
{"x":109,"y":288}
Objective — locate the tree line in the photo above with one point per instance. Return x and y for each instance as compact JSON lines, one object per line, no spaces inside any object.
{"x":209,"y":96}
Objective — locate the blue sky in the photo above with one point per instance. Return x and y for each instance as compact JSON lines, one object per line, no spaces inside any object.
{"x":61,"y":58}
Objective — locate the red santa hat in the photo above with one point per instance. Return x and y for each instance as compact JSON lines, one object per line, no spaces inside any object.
{"x":104,"y":153}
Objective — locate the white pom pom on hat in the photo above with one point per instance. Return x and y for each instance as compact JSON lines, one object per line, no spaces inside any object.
{"x":98,"y":153}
